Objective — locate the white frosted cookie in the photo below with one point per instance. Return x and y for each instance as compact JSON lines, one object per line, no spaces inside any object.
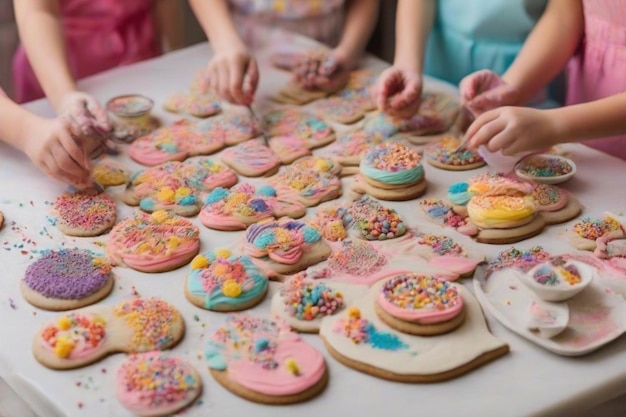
{"x":156,"y":384}
{"x":85,"y":214}
{"x":67,"y":279}
{"x":156,"y":242}
{"x":84,"y":336}
{"x":221,"y":281}
{"x":264,"y":361}
{"x":284,"y":246}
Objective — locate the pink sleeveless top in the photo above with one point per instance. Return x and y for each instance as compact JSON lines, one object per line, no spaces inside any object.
{"x":99,"y":35}
{"x":599,"y":68}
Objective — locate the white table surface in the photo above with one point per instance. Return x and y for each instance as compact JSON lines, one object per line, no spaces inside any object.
{"x":529,"y":381}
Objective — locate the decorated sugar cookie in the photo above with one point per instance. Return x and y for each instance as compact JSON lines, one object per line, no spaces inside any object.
{"x":67,"y":279}
{"x":339,"y":109}
{"x":156,"y":242}
{"x":84,"y":336}
{"x":205,"y":175}
{"x":233,"y":127}
{"x":252,"y":159}
{"x":555,"y":204}
{"x":418,"y":304}
{"x":108,"y":173}
{"x":293,"y":121}
{"x":85,"y":214}
{"x":443,"y":154}
{"x":221,"y":281}
{"x":289,"y":148}
{"x":373,"y":221}
{"x":284,"y":246}
{"x":156,"y":384}
{"x":293,"y":93}
{"x":524,"y":260}
{"x":303,"y":302}
{"x":491,"y":183}
{"x":443,"y":252}
{"x":308,"y":187}
{"x":350,"y":148}
{"x":318,"y":164}
{"x":329,"y":221}
{"x":586,"y":232}
{"x":194,"y":104}
{"x":264,"y":361}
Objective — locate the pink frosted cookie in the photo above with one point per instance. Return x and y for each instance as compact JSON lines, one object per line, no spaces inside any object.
{"x":174,"y":143}
{"x":67,"y":279}
{"x":289,"y":148}
{"x":443,"y":154}
{"x":264,"y":361}
{"x":252,"y":159}
{"x":351,"y":147}
{"x":318,"y":164}
{"x":221,"y":281}
{"x":160,"y":188}
{"x":84,"y":336}
{"x":339,"y":109}
{"x":306,"y":186}
{"x":284,"y":246}
{"x":198,"y":105}
{"x":232,"y":128}
{"x":205,"y":175}
{"x":301,"y":123}
{"x":243,"y":205}
{"x":156,"y":242}
{"x":418,"y":304}
{"x":491,"y":183}
{"x":85,"y":214}
{"x":555,"y":204}
{"x":156,"y":384}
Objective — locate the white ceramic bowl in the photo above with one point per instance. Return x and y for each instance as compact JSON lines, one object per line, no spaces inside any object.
{"x":561,"y":290}
{"x":544,"y":168}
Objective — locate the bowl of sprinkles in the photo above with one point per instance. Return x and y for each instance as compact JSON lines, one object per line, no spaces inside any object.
{"x":559,"y":279}
{"x":130,"y":105}
{"x":545,"y":168}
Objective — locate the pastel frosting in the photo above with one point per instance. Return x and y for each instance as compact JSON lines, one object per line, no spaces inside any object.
{"x":517,"y":258}
{"x":68,"y":274}
{"x":160,"y":186}
{"x":222,"y":278}
{"x":423,"y":299}
{"x":284,"y":241}
{"x":329,"y":222}
{"x":238,"y":207}
{"x":234,"y":127}
{"x":264,"y":356}
{"x":309,"y":186}
{"x":153,"y":242}
{"x":373,"y":220}
{"x":309,"y":300}
{"x":496,"y":211}
{"x":297,"y":122}
{"x":74,"y":335}
{"x":440,"y":245}
{"x":86,"y":211}
{"x":354,"y":144}
{"x":252,"y":154}
{"x":204,"y":175}
{"x":549,"y":197}
{"x":362,"y":331}
{"x":392,"y":163}
{"x":156,"y":384}
{"x":445,"y":152}
{"x":490,"y":183}
{"x":459,"y":194}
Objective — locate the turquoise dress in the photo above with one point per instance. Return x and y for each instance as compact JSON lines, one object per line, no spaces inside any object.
{"x":470,"y":35}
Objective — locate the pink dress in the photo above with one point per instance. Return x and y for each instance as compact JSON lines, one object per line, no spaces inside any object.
{"x":99,"y":35}
{"x":599,"y":68}
{"x":256,"y":20}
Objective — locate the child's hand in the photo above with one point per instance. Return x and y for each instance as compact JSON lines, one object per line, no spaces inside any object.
{"x":55,"y":150}
{"x":234,"y":75}
{"x":84,"y":112}
{"x":484,"y":90}
{"x":513,"y":130}
{"x":327,"y":72}
{"x":398,"y":92}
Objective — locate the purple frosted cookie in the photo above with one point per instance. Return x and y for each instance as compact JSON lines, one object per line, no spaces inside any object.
{"x":67,"y":279}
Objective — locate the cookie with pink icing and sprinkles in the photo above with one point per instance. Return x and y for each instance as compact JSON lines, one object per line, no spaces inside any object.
{"x":263,"y":361}
{"x":193,"y":103}
{"x":423,"y":305}
{"x":252,"y":158}
{"x":85,"y":214}
{"x":308,"y":187}
{"x":155,"y":384}
{"x":221,"y":281}
{"x":156,"y":242}
{"x":67,"y":279}
{"x":294,"y":121}
{"x":443,"y":154}
{"x":284,"y":246}
{"x":243,"y":205}
{"x":87,"y":335}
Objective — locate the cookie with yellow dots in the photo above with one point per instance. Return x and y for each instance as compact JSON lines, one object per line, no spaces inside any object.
{"x":263,"y":361}
{"x":84,"y":336}
{"x":221,"y":281}
{"x":108,"y":173}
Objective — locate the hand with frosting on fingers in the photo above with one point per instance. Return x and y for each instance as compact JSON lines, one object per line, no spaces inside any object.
{"x":84,"y":113}
{"x":513,"y":130}
{"x":325,"y":71}
{"x":234,"y":75}
{"x":55,"y":148}
{"x":398,"y":92}
{"x":485,"y":90}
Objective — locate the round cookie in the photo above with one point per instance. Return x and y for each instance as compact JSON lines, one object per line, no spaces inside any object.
{"x":67,"y":279}
{"x":205,"y":175}
{"x":391,"y":165}
{"x":109,"y":173}
{"x":422,"y":305}
{"x":265,"y":362}
{"x":308,"y":187}
{"x":289,"y":148}
{"x":84,"y":336}
{"x":156,"y":242}
{"x":155,"y":384}
{"x":511,"y":235}
{"x":284,"y":246}
{"x":220,"y":281}
{"x":194,"y":104}
{"x":501,"y":211}
{"x":443,"y":154}
{"x":252,"y":158}
{"x":555,"y":204}
{"x":85,"y":214}
{"x":359,"y":187}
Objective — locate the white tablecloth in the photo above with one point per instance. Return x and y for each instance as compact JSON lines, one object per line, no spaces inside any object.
{"x":528,"y":381}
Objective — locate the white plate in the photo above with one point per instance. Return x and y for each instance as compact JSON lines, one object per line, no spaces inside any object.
{"x":547,"y":179}
{"x":597,"y":315}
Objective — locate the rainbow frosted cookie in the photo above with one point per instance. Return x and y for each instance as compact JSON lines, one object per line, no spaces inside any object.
{"x":85,"y":214}
{"x":443,"y":154}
